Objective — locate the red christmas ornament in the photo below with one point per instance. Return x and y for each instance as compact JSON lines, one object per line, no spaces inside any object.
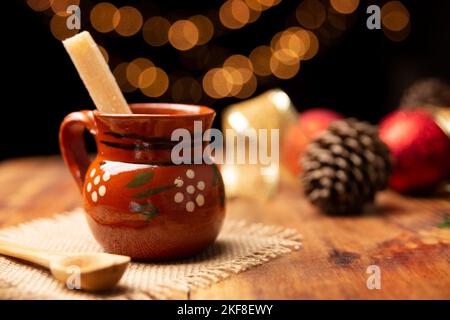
{"x":420,"y":149}
{"x":311,"y":123}
{"x":315,"y":121}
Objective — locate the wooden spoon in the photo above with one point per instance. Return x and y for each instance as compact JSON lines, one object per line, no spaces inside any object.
{"x":96,"y":271}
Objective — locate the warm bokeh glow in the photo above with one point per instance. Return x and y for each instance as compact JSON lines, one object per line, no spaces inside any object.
{"x":104,"y":53}
{"x":313,"y":46}
{"x":128,"y":21}
{"x":247,"y":89}
{"x":394,"y":16}
{"x":205,"y":28}
{"x":254,"y":5}
{"x":134,"y":70}
{"x":234,"y":14}
{"x":147,"y":77}
{"x":159,"y":85}
{"x":253,"y":15}
{"x":217,"y":83}
{"x":155,"y":31}
{"x":59,"y":7}
{"x":39,"y":5}
{"x":260,"y":58}
{"x":283,"y":70}
{"x":183,"y":35}
{"x":291,"y":44}
{"x":120,"y":73}
{"x":59,"y":29}
{"x":102,"y":17}
{"x":242,"y":65}
{"x":344,"y":6}
{"x":311,"y":14}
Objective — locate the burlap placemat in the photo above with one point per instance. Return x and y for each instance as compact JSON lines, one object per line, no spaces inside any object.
{"x":240,"y":246}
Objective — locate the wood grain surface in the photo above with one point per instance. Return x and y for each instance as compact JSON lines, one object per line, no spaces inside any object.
{"x":399,"y":234}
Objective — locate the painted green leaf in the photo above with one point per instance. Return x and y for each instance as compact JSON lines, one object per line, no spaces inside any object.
{"x":152,"y":191}
{"x":445,"y":223}
{"x":140,"y":179}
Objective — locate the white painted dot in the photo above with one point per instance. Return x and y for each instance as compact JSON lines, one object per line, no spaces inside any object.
{"x":101,"y":191}
{"x":178,"y":197}
{"x":97,"y":180}
{"x":190,"y":189}
{"x":94,"y":196}
{"x":89,"y":187}
{"x":106,"y":176}
{"x":190,"y":173}
{"x":201,"y":185}
{"x":190,"y":206}
{"x":178,"y":182}
{"x":92,"y":172}
{"x":200,"y":200}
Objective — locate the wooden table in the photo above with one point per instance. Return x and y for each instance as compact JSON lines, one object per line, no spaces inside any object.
{"x":400,"y":236}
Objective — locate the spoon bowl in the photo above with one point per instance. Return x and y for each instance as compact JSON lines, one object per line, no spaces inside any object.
{"x":87,"y":271}
{"x":91,"y":272}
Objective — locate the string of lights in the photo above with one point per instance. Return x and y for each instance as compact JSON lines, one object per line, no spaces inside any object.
{"x":316,"y":22}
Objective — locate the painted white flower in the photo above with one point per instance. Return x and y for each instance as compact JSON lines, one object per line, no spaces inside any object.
{"x":193,"y":188}
{"x":94,"y":184}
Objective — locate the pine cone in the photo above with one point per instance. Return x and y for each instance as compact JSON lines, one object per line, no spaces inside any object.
{"x":345,"y":166}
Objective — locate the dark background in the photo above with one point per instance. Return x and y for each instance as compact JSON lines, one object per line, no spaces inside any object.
{"x":362,"y":74}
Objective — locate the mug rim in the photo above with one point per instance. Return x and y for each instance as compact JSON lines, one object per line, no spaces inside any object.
{"x":191,"y":110}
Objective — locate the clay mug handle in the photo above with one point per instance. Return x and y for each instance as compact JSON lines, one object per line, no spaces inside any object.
{"x":72,"y":145}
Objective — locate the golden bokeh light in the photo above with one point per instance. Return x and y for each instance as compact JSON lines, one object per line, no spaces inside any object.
{"x":134,"y":70}
{"x":291,"y":44}
{"x":235,"y":79}
{"x":260,"y":58}
{"x":128,"y":21}
{"x":311,"y":14}
{"x":120,"y":73}
{"x":59,"y":29}
{"x":242,"y":65}
{"x":205,"y":28}
{"x":234,"y":14}
{"x":183,"y":35}
{"x":344,"y":6}
{"x":102,"y":17}
{"x":313,"y":46}
{"x":222,"y":82}
{"x":158,"y":86}
{"x":394,"y":16}
{"x":398,"y":36}
{"x":254,"y":5}
{"x":187,"y":90}
{"x":253,"y":15}
{"x":59,"y":7}
{"x":261,"y":5}
{"x":217,"y":83}
{"x":39,"y":5}
{"x":283,"y":70}
{"x":147,"y":77}
{"x":286,"y":56}
{"x":104,"y":53}
{"x":247,"y":89}
{"x":155,"y":31}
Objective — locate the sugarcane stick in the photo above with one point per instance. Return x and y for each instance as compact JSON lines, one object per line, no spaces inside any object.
{"x":95,"y":73}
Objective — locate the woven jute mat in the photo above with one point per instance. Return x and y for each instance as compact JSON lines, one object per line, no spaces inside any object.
{"x":240,"y":246}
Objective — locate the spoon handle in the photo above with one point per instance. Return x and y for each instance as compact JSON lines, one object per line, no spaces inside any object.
{"x":37,"y":256}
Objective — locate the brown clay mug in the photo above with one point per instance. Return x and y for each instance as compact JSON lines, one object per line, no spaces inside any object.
{"x":138,"y":202}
